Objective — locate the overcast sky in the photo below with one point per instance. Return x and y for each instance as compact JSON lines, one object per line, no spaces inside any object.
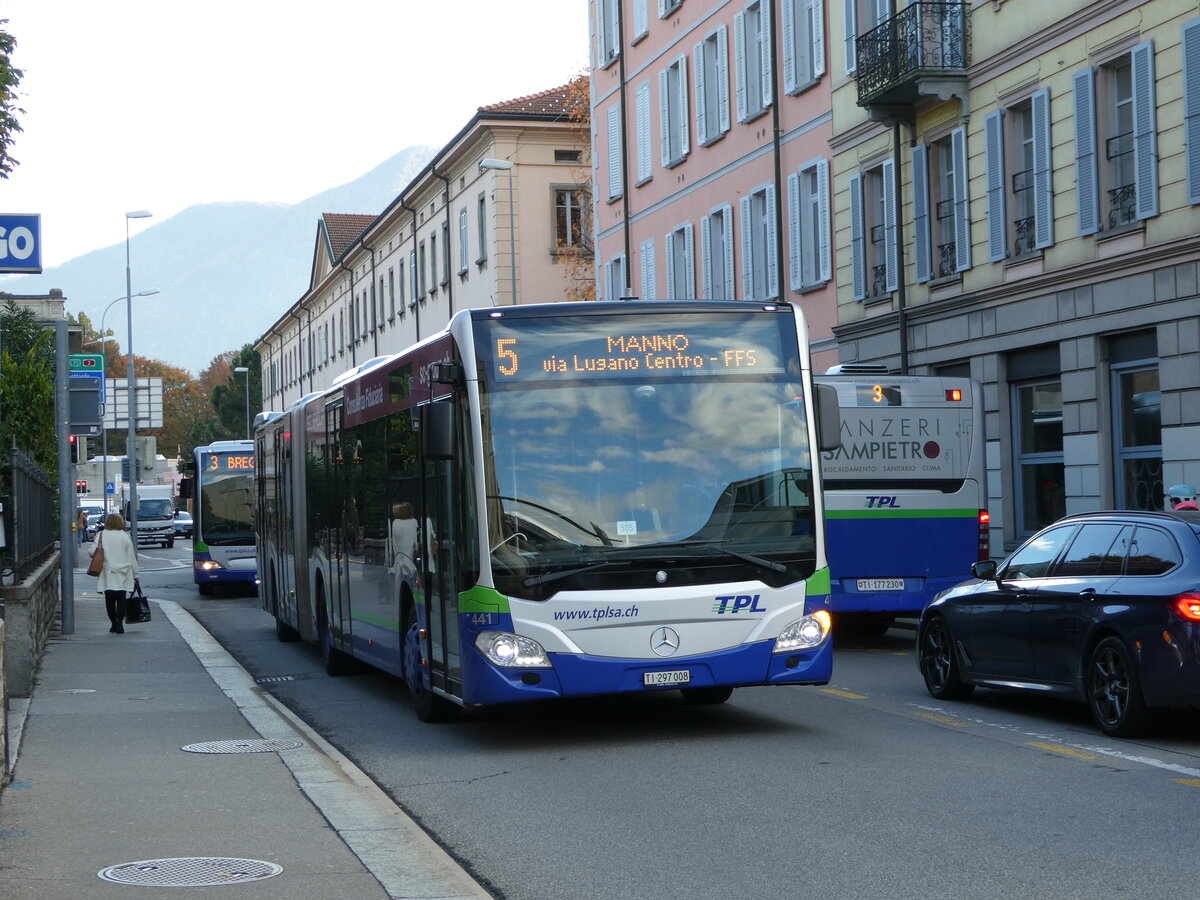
{"x":159,"y":104}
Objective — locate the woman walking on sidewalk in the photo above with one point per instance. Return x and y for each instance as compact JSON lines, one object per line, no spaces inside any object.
{"x":119,"y":575}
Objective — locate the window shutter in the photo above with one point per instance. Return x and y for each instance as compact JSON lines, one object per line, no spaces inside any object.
{"x":817,"y":9}
{"x":962,"y":200}
{"x":462,"y":241}
{"x":689,"y":258}
{"x":993,"y":139}
{"x":706,"y":282}
{"x":723,"y":75}
{"x":739,"y":50}
{"x":1087,"y":175}
{"x":796,"y":280}
{"x":701,"y":104}
{"x":747,"y":252}
{"x":849,"y":33}
{"x":858,"y":250}
{"x":727,"y":244}
{"x":641,"y":20}
{"x":664,"y":119}
{"x":669,"y":253}
{"x":1043,"y":183}
{"x":614,"y":151}
{"x":649,"y":274}
{"x":608,"y":282}
{"x":1145,"y":138}
{"x":889,"y":225}
{"x":642,"y":102}
{"x":825,"y":237}
{"x":791,"y":40}
{"x":772,"y":245}
{"x":1191,"y":107}
{"x":684,"y":141}
{"x":921,"y":261}
{"x":764,"y":49}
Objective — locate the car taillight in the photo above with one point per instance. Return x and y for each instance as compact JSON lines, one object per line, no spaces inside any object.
{"x":985,"y":535}
{"x":1187,"y":606}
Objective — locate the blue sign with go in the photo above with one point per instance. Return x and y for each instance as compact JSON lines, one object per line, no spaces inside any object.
{"x":20,"y":243}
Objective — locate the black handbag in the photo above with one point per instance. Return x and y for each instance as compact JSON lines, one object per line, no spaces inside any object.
{"x":137,"y":607}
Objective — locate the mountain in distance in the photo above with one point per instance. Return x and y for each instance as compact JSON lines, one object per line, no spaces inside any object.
{"x":225,"y":271}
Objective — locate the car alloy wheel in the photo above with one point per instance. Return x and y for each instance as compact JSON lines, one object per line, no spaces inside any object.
{"x":938,"y":663}
{"x":1113,"y":690}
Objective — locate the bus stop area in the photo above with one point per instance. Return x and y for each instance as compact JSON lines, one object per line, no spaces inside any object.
{"x":152,"y":759}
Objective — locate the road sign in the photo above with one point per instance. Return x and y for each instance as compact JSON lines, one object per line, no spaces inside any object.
{"x":88,"y":365}
{"x":110,"y":487}
{"x":20,"y":243}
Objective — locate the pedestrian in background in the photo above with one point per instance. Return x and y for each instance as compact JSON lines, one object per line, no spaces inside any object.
{"x":119,"y":575}
{"x":81,"y":526}
{"x":1183,"y":496}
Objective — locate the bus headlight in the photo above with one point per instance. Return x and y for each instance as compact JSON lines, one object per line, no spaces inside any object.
{"x":804,"y":634}
{"x":511,"y":651}
{"x":208,"y":565}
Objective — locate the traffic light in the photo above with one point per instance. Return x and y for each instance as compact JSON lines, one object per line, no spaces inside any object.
{"x":81,"y":487}
{"x":75,"y":449}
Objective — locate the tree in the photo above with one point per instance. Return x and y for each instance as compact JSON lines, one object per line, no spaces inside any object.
{"x":229,"y":395}
{"x":578,"y":257}
{"x":27,"y":387}
{"x":10,"y":78}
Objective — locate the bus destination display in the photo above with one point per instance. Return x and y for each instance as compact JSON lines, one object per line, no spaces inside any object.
{"x":229,"y":462}
{"x":877,"y":395}
{"x":586,"y":348}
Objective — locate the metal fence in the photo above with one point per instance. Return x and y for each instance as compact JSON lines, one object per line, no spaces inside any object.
{"x":28,"y":517}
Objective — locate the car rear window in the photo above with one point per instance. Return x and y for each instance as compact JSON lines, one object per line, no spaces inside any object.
{"x":1152,"y":552}
{"x":1095,"y":550}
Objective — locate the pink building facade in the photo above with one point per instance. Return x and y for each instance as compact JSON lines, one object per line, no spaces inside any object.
{"x":711,"y":163}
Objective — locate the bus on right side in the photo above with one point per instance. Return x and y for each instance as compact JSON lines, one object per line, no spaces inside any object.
{"x":905,"y":493}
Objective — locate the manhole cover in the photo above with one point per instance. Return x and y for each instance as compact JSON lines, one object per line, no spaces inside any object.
{"x":190,"y":871}
{"x":249,"y":746}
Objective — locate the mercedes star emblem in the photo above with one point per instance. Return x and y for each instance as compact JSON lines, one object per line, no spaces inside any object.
{"x":664,"y":641}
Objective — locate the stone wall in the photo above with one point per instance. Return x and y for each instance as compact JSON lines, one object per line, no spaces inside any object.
{"x":30,"y":609}
{"x":4,"y":751}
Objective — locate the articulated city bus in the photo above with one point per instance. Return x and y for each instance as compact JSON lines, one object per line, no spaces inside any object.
{"x":905,"y":492}
{"x":559,"y":500}
{"x":223,"y":544}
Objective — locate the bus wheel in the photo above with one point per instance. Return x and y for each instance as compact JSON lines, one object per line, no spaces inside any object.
{"x":428,"y":705}
{"x":285,"y":633}
{"x":705,"y":696}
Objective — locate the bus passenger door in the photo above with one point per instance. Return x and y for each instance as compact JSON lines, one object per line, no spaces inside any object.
{"x":441,"y":531}
{"x":337,"y":471}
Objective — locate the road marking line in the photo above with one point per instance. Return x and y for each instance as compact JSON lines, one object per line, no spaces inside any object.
{"x":1190,"y":782}
{"x":944,"y":720}
{"x":847,"y":694}
{"x":1059,"y":748}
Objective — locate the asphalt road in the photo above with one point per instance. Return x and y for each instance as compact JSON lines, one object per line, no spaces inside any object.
{"x":864,"y":788}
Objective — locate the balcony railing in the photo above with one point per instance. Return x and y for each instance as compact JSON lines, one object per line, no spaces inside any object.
{"x":922,"y":40}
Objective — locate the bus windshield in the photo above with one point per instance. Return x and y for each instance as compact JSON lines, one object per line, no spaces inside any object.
{"x":696,"y":453}
{"x":226,"y":507}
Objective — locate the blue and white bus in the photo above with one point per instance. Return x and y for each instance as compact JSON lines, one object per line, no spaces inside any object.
{"x":905,"y":493}
{"x":559,"y":500}
{"x":223,"y":540}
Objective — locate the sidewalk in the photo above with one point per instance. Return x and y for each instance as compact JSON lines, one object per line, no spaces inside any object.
{"x":101,"y":781}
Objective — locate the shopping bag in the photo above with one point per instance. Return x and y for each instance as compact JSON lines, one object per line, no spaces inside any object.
{"x":96,"y":566}
{"x":137,"y":607}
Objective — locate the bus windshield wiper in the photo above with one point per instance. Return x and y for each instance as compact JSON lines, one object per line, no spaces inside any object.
{"x":547,"y":577}
{"x":716,"y":547}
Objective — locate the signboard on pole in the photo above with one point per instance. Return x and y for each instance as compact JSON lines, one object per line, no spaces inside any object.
{"x":20,"y":243}
{"x":88,"y":365}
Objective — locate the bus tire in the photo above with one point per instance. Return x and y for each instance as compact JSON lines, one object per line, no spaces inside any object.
{"x":706,"y":696}
{"x":285,"y":633}
{"x":428,"y":706}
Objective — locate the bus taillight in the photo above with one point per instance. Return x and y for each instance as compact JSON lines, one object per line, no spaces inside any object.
{"x":985,"y":535}
{"x":954,"y":394}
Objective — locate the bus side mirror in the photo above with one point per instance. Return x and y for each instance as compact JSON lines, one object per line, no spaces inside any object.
{"x":829,"y":417}
{"x":437,"y":430}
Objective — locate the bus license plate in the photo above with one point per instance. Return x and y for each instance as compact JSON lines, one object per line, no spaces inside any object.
{"x":880,"y":584}
{"x":654,"y":679}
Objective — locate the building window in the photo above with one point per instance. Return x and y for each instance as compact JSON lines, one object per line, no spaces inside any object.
{"x":570,"y":206}
{"x":716,"y":251}
{"x":1137,"y":420}
{"x":481,"y":216}
{"x":712,"y":86}
{"x":803,"y":44}
{"x":400,"y":281}
{"x":673,"y":112}
{"x":641,"y":21}
{"x":392,"y":293}
{"x":1040,"y":480}
{"x":607,"y":34}
{"x":615,"y":277}
{"x":1116,"y":143}
{"x":645,"y":168}
{"x":759,"y":262}
{"x":808,"y":199}
{"x":568,"y":156}
{"x":666,"y":7}
{"x":752,"y":30}
{"x":433,"y":263}
{"x":463,"y":240}
{"x":941,"y":225}
{"x":616,"y":173}
{"x":422,"y":268}
{"x":861,"y":16}
{"x":414,"y":281}
{"x":1020,"y":197}
{"x":681,"y":269}
{"x":873,"y":230}
{"x":649,"y":270}
{"x":445,"y":253}
{"x":1191,"y":107}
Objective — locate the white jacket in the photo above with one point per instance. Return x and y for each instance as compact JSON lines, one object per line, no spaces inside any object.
{"x":120,"y":561}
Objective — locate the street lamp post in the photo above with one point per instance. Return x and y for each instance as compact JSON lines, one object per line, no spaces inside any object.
{"x":102,"y":340}
{"x":246,"y":373}
{"x":131,"y":378}
{"x":507,"y":165}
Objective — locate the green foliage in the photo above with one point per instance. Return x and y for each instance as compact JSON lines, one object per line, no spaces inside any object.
{"x":10,"y":78}
{"x":27,"y":387}
{"x":229,"y":398}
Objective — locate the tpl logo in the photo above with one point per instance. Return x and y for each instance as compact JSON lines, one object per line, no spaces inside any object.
{"x":736,"y":604}
{"x":882,"y":502}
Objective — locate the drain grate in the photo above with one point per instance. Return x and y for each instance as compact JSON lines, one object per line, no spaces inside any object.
{"x":247,"y":746}
{"x":190,"y":871}
{"x":76,"y":691}
{"x":279,"y":679}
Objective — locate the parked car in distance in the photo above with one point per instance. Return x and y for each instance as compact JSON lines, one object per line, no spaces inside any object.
{"x":1102,"y":607}
{"x":95,"y":524}
{"x":183,"y":524}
